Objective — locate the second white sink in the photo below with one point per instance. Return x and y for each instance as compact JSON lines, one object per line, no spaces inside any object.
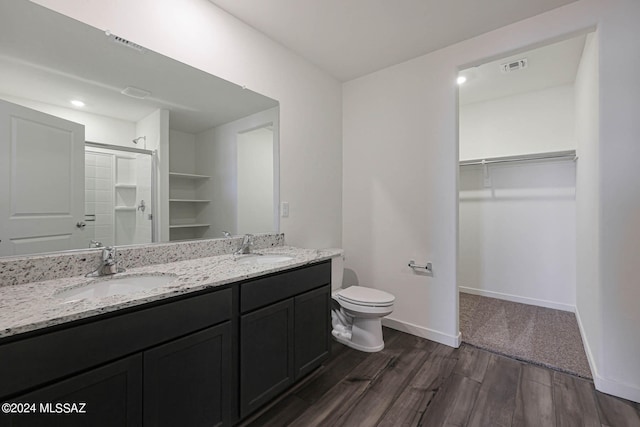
{"x":257,"y":259}
{"x":115,"y":286}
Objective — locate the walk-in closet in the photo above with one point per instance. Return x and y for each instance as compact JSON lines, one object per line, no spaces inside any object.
{"x":524,"y":125}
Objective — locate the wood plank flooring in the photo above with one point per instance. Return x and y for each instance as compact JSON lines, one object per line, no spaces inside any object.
{"x":416,"y":382}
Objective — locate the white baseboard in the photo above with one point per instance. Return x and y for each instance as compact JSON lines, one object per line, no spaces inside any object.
{"x":616,"y":388}
{"x":516,"y":298}
{"x":605,"y":385}
{"x":421,"y":331}
{"x":587,"y":348}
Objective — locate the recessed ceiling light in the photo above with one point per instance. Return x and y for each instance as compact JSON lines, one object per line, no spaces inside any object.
{"x":461,"y":80}
{"x":77,"y":103}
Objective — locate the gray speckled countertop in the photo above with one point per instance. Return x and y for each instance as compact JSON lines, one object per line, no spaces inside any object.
{"x":31,"y":306}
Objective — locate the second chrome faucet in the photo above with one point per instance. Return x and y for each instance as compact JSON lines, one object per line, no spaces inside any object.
{"x":245,"y":247}
{"x":109,"y":263}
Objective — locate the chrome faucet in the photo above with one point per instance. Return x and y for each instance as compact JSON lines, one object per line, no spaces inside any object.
{"x":109,"y":263}
{"x":245,"y":247}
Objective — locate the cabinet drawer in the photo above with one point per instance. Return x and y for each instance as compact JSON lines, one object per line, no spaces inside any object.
{"x":37,"y":360}
{"x":261,"y":292}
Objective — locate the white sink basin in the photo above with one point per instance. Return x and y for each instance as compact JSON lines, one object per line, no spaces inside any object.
{"x":257,"y":259}
{"x":115,"y":286}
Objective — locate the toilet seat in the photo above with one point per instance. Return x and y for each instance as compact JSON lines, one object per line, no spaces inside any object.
{"x":365,"y":297}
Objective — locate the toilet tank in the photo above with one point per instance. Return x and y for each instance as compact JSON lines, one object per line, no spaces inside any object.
{"x":337,"y":272}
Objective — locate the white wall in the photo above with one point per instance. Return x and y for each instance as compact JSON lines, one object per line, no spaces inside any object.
{"x":517,"y":237}
{"x":199,"y":34}
{"x":619,"y":127}
{"x":400,"y":177}
{"x":532,"y":122}
{"x":588,"y":292}
{"x":182,"y":152}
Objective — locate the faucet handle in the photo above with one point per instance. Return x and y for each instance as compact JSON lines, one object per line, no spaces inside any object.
{"x":108,"y":254}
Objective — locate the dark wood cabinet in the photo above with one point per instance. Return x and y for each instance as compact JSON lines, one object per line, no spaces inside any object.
{"x":172,"y":367}
{"x":312,"y":330}
{"x":206,"y":359}
{"x":284,"y":332}
{"x":110,"y":395}
{"x":183,"y":382}
{"x":186,"y":381}
{"x":266,"y":354}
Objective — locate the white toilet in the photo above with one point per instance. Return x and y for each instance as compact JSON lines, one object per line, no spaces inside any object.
{"x":357,"y":312}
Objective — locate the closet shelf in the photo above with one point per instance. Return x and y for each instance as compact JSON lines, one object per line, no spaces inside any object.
{"x":188,"y":175}
{"x":189,"y":201}
{"x":553,"y":155}
{"x":125,"y":208}
{"x":189,"y":225}
{"x":125,"y":186}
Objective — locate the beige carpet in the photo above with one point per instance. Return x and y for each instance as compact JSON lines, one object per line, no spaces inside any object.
{"x":534,"y":334}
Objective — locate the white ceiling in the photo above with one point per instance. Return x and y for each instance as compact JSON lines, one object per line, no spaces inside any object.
{"x":49,"y":58}
{"x":352,"y":38}
{"x":548,"y":66}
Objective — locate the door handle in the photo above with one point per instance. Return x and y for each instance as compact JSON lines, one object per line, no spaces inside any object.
{"x":81,"y":224}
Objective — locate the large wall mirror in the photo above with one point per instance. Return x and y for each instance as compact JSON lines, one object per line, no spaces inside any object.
{"x":104,"y":140}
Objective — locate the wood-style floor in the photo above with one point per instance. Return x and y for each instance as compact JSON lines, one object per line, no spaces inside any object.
{"x":416,"y":382}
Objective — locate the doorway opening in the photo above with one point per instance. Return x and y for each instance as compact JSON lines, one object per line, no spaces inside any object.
{"x":521,"y":130}
{"x":255,"y":180}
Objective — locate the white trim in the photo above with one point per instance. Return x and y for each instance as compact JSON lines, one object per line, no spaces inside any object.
{"x":421,"y":331}
{"x":617,"y":388}
{"x":587,"y":348}
{"x":604,"y":385}
{"x":517,"y":298}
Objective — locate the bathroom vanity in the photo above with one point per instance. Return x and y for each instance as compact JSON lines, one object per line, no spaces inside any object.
{"x":207,"y":355}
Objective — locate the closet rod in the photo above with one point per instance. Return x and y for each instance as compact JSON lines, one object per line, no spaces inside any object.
{"x":555,"y":155}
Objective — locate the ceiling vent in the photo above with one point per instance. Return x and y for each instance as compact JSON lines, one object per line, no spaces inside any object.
{"x":135,"y":92}
{"x":124,"y":42}
{"x":520,"y":64}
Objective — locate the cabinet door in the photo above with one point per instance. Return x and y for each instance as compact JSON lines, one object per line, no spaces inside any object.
{"x":312,"y":329}
{"x":187,"y":381}
{"x":107,"y":396}
{"x":266,"y":354}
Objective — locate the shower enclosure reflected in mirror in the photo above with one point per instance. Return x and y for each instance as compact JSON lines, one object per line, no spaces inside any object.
{"x":131,"y":98}
{"x":118,"y":196}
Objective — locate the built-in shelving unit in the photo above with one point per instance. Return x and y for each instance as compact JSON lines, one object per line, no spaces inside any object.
{"x":187,"y":201}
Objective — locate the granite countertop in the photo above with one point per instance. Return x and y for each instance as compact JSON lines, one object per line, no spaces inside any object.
{"x":31,"y":306}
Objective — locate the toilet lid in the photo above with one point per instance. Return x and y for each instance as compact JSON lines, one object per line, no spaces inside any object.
{"x":360,"y":295}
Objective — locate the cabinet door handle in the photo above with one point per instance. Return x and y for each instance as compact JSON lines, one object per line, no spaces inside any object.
{"x":81,"y":224}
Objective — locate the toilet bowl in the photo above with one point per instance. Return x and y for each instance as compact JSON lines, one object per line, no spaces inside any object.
{"x":357,"y":312}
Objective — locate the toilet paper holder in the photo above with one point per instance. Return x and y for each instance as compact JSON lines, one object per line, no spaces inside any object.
{"x":428,"y":267}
